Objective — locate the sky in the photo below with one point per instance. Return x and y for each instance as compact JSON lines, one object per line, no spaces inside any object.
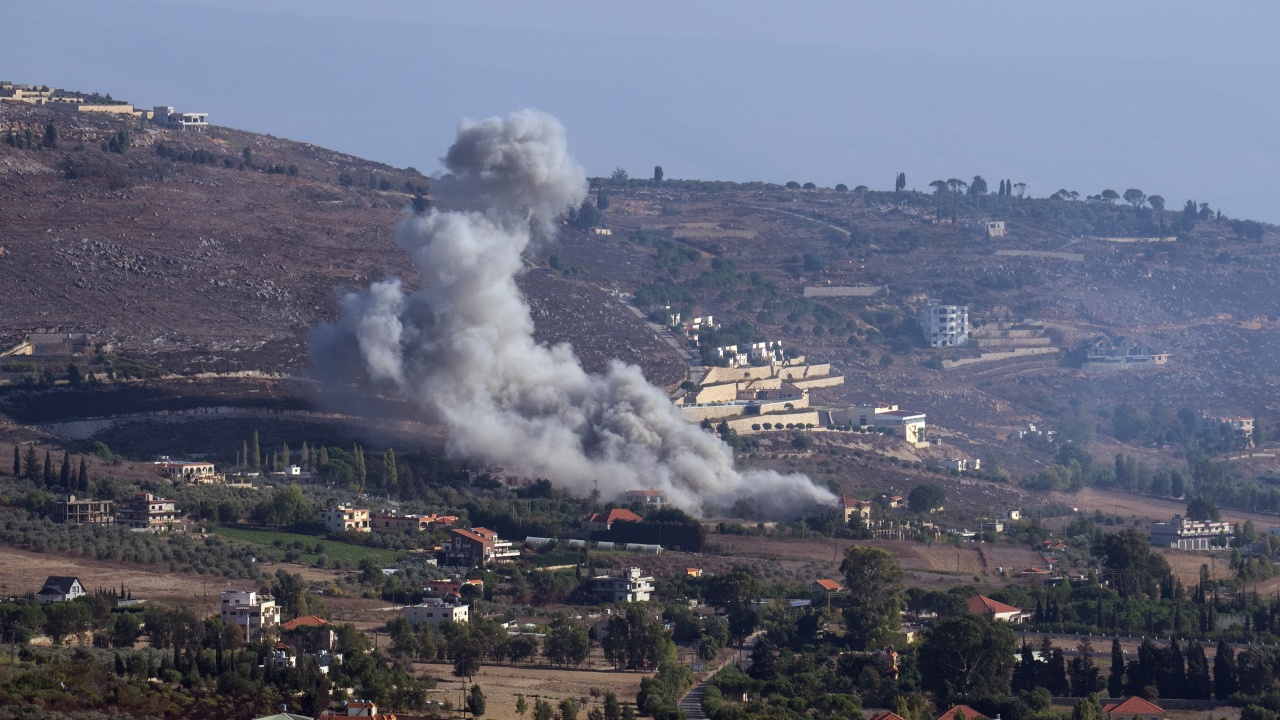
{"x":1173,"y":98}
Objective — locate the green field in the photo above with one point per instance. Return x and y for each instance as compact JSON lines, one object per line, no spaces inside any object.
{"x":333,"y":550}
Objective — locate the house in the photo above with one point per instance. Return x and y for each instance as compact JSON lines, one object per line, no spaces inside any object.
{"x":1052,"y":544}
{"x":1186,"y":534}
{"x":310,"y":633}
{"x":945,"y":325}
{"x":994,"y":609}
{"x":145,"y":511}
{"x":164,"y":116}
{"x":392,"y":522}
{"x":605,"y":520}
{"x":81,"y":512}
{"x":346,"y":519}
{"x":477,"y":546}
{"x":693,"y":572}
{"x":908,"y":425}
{"x":886,"y":715}
{"x":994,"y":228}
{"x":895,"y":502}
{"x":631,"y":585}
{"x":60,"y":588}
{"x":646,"y":497}
{"x":829,"y":586}
{"x":1241,"y":427}
{"x":454,"y":585}
{"x":358,"y":708}
{"x":192,"y":472}
{"x":1135,"y":708}
{"x":1121,"y":354}
{"x":853,"y":507}
{"x":253,"y":612}
{"x":436,"y":611}
{"x":968,"y":713}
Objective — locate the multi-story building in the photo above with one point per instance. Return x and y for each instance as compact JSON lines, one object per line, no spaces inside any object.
{"x":632,"y":585}
{"x":192,"y":472}
{"x":436,"y":611}
{"x":945,"y":325}
{"x":69,"y":509}
{"x":254,"y":613}
{"x":1186,"y":534}
{"x":164,"y":116}
{"x":145,"y":511}
{"x":906,"y":424}
{"x":653,"y":497}
{"x":477,"y":546}
{"x":1241,"y":426}
{"x":346,"y":519}
{"x":454,"y":585}
{"x":853,"y":507}
{"x":391,"y":522}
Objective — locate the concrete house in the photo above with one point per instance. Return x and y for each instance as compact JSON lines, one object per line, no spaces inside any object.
{"x":436,"y":611}
{"x":145,"y":511}
{"x":59,"y":588}
{"x":253,"y":612}
{"x":1186,"y":534}
{"x":631,"y":585}
{"x":853,"y":507}
{"x":477,"y":546}
{"x":646,"y":497}
{"x":346,"y":519}
{"x":945,"y":325}
{"x":69,"y":509}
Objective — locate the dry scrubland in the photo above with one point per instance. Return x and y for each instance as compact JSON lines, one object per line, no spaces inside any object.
{"x":501,"y":683}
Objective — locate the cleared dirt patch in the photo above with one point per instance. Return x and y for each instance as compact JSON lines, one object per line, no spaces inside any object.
{"x":501,"y":684}
{"x":1149,"y":508}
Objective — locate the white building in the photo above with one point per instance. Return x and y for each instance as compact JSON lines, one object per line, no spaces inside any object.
{"x":630,"y":586}
{"x":945,"y":325}
{"x":346,"y":519}
{"x":908,"y":425}
{"x":1186,"y":534}
{"x":646,"y":497}
{"x":253,"y":612}
{"x":436,"y":611}
{"x":164,"y":116}
{"x":995,"y":228}
{"x":59,"y":588}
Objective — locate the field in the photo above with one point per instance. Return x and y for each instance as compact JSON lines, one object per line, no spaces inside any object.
{"x":1141,"y":507}
{"x":501,"y":683}
{"x":334,"y":551}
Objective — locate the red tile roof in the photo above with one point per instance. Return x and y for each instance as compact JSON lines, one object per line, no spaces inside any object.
{"x":850,"y":501}
{"x":969,"y":713}
{"x":983,"y":605}
{"x":886,"y":715}
{"x":1133,"y":706}
{"x":829,"y":585}
{"x":615,"y":515}
{"x":304,"y":621}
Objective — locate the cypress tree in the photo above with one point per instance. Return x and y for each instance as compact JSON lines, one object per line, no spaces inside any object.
{"x":244,"y":453}
{"x":389,"y":468}
{"x":83,"y":482}
{"x":1224,"y":671}
{"x":32,"y":464}
{"x":324,"y":456}
{"x":17,"y":462}
{"x":257,"y":453}
{"x":284,"y":455}
{"x":1199,"y":687}
{"x":64,"y":477}
{"x":305,"y":460}
{"x":1115,"y":682}
{"x":48,"y":469}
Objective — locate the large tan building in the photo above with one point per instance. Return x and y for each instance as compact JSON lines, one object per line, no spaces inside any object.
{"x":145,"y":511}
{"x":346,"y":519}
{"x":254,"y":613}
{"x":69,"y":509}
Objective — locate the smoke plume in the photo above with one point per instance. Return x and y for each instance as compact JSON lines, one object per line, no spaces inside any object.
{"x":462,"y":347}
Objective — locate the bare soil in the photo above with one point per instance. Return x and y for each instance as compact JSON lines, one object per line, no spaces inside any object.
{"x":501,"y":684}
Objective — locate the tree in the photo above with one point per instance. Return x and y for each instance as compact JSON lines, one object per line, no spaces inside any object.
{"x":567,"y":642}
{"x":1087,"y":708}
{"x":1204,"y":510}
{"x":1224,"y":671}
{"x":475,"y":701}
{"x":48,"y":469}
{"x":900,"y":182}
{"x":619,"y":177}
{"x":587,"y":216}
{"x":1084,"y":674}
{"x":793,"y":185}
{"x":876,"y":594}
{"x":1110,"y":196}
{"x":978,"y":187}
{"x":841,"y":187}
{"x":968,"y":654}
{"x":522,"y":705}
{"x":82,"y":482}
{"x":64,"y":476}
{"x":568,"y":709}
{"x":74,"y":376}
{"x":17,"y":462}
{"x":1135,"y":197}
{"x":1157,"y":203}
{"x":32,"y":464}
{"x":390,"y":476}
{"x":542,"y":710}
{"x":925,"y":498}
{"x":50,"y":136}
{"x":657,"y":173}
{"x":257,"y":450}
{"x":1020,"y":188}
{"x":602,"y":200}
{"x":1115,"y":681}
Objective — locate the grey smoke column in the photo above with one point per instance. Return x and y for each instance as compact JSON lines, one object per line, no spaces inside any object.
{"x":462,"y":347}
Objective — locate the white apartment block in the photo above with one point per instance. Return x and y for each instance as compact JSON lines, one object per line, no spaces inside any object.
{"x":436,"y":611}
{"x":630,"y":586}
{"x":1186,"y":534}
{"x":254,"y":613}
{"x":945,"y":325}
{"x":346,"y":519}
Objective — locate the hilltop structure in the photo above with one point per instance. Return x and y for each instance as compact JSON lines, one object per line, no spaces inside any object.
{"x":755,"y":397}
{"x":1105,"y":354}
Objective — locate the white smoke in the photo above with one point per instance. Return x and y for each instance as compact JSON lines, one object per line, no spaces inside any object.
{"x":462,"y":347}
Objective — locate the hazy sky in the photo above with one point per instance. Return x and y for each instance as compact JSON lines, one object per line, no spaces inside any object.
{"x":1175,"y":98}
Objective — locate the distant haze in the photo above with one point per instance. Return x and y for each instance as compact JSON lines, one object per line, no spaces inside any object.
{"x":1174,"y":98}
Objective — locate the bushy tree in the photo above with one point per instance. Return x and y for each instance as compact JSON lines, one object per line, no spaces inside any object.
{"x":876,"y":594}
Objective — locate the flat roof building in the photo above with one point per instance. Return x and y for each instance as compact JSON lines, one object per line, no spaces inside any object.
{"x":436,"y":611}
{"x":631,"y":585}
{"x":1186,"y":534}
{"x":254,"y":613}
{"x":69,"y":509}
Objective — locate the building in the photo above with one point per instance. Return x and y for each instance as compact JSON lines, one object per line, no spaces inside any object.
{"x":1241,"y":427}
{"x":968,"y":712}
{"x":79,"y":512}
{"x":392,"y":522}
{"x":653,"y":497}
{"x":886,"y":715}
{"x":193,"y":472}
{"x":994,"y":228}
{"x":310,"y":633}
{"x":1187,"y":534}
{"x":358,"y":708}
{"x":906,"y":424}
{"x":853,"y":507}
{"x":605,"y":520}
{"x":629,"y":586}
{"x":54,"y":345}
{"x":1135,"y":708}
{"x":453,"y":586}
{"x":477,"y":546}
{"x":164,"y":116}
{"x":945,"y":325}
{"x":828,"y":586}
{"x":995,"y":610}
{"x":59,"y":588}
{"x":145,"y":511}
{"x":254,"y":613}
{"x":346,"y":519}
{"x":1121,"y":354}
{"x":436,"y":611}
